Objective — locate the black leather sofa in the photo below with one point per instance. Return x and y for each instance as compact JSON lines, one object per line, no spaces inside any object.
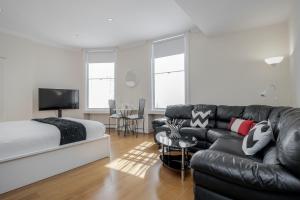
{"x":220,"y":168}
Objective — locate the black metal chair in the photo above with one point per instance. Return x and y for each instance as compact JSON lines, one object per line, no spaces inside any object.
{"x":139,"y":116}
{"x":113,"y":114}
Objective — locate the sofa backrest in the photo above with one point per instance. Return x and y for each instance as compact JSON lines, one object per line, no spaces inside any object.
{"x":257,"y":113}
{"x":274,"y":117}
{"x":179,"y":111}
{"x":288,"y":141}
{"x":225,"y":113}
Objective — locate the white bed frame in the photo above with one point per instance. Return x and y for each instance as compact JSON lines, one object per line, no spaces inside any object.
{"x":27,"y":169}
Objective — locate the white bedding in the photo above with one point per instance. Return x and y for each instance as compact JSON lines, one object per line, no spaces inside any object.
{"x":20,"y":138}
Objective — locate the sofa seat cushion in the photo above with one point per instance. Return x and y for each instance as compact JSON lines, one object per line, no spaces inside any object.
{"x":231,"y":145}
{"x":199,"y":133}
{"x":216,"y":133}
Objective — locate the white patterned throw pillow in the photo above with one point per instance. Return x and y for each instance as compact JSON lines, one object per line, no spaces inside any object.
{"x":200,"y":119}
{"x":258,"y":137}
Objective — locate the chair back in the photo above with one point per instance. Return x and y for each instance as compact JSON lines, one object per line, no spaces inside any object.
{"x":142,"y":103}
{"x":112,"y":106}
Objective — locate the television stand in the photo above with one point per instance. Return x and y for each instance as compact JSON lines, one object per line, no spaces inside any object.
{"x":59,"y":113}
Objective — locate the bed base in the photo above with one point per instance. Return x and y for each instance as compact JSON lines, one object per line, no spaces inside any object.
{"x":18,"y":172}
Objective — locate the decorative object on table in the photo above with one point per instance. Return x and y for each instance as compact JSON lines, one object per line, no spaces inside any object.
{"x":139,"y":116}
{"x":113,"y":114}
{"x":200,"y":119}
{"x":240,"y":126}
{"x":175,"y":125}
{"x":131,"y":79}
{"x":259,"y":137}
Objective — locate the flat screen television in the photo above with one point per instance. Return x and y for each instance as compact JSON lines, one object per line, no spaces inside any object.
{"x":58,"y":99}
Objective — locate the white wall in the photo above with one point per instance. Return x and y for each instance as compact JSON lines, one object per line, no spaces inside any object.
{"x":230,"y":69}
{"x":1,"y":90}
{"x":28,"y":66}
{"x":227,"y":69}
{"x":294,"y":26}
{"x":138,"y":60}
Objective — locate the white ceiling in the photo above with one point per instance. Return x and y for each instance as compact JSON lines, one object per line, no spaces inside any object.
{"x":83,"y":23}
{"x":214,"y":17}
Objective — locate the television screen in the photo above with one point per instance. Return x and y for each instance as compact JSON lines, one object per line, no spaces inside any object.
{"x":56,"y":99}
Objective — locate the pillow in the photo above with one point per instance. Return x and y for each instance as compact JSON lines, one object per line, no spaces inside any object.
{"x":240,"y":126}
{"x":259,"y":137}
{"x":200,"y":119}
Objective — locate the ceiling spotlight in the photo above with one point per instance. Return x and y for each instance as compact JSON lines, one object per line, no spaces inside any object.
{"x":110,"y":19}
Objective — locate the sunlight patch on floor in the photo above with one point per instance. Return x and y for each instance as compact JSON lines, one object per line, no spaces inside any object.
{"x":136,"y":161}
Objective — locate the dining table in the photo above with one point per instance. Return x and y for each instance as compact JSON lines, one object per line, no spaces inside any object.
{"x":124,"y":112}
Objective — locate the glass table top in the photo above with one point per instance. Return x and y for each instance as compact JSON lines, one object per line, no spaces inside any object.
{"x":183,"y":142}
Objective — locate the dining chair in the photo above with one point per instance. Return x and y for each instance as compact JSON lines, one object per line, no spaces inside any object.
{"x":139,"y":116}
{"x":113,"y":114}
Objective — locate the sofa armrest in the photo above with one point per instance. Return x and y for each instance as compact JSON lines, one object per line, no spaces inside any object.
{"x":158,"y":122}
{"x":244,"y":172}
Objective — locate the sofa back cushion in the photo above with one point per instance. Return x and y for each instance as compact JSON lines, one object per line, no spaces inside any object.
{"x":226,"y":113}
{"x":274,"y":117}
{"x":179,"y":111}
{"x":288,"y":141}
{"x":257,"y":113}
{"x":212,"y":116}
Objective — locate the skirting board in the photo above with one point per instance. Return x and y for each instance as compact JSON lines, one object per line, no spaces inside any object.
{"x":26,"y":170}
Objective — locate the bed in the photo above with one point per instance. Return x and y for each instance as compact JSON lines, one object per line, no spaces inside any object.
{"x":30,"y":151}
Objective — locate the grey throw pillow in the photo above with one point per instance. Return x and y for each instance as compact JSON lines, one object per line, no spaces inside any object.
{"x":258,"y":137}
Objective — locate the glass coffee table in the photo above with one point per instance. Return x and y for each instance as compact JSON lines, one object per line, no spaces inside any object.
{"x":179,"y":162}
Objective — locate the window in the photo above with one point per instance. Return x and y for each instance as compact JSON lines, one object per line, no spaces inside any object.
{"x":100,"y":79}
{"x":168,"y":72}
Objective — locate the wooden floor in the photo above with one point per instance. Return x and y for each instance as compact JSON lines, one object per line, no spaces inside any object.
{"x":134,"y":171}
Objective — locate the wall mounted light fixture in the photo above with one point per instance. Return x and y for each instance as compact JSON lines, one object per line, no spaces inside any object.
{"x":274,"y":60}
{"x":269,"y":89}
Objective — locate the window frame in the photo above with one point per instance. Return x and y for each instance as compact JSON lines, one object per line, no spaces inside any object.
{"x":186,"y":71}
{"x":97,"y":110}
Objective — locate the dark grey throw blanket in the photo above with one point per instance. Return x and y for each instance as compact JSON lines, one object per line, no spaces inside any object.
{"x":70,"y":131}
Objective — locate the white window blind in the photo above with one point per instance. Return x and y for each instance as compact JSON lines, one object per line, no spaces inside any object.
{"x":168,"y":72}
{"x":101,"y":78}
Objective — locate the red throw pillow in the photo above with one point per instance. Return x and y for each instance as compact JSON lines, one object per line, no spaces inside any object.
{"x":240,"y":126}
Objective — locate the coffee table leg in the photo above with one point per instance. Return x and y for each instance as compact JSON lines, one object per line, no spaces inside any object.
{"x":182,"y":163}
